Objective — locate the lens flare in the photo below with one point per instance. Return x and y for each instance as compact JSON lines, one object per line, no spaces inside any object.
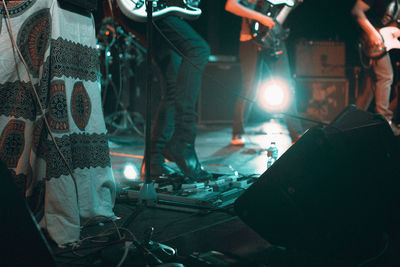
{"x":131,"y":172}
{"x":275,"y":96}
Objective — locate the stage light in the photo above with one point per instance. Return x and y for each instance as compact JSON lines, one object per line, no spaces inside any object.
{"x":274,"y":95}
{"x":131,"y":172}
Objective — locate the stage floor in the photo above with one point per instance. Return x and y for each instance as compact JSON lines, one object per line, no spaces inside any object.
{"x":215,"y":235}
{"x":214,"y":149}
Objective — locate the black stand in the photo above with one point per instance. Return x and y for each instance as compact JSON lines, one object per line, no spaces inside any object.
{"x":121,"y":123}
{"x":147,"y":192}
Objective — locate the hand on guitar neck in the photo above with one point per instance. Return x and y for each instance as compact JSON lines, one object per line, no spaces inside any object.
{"x":271,"y":37}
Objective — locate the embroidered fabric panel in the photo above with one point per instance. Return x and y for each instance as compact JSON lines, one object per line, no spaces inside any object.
{"x":64,"y":67}
{"x":80,"y":150}
{"x":80,"y":106}
{"x":40,"y":134}
{"x":73,"y":60}
{"x":57,"y":114}
{"x":16,"y":100}
{"x":12,"y":142}
{"x":16,"y":8}
{"x":33,"y":39}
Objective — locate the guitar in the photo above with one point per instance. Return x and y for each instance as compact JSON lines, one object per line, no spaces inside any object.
{"x":390,"y":36}
{"x":136,"y":9}
{"x":272,"y":39}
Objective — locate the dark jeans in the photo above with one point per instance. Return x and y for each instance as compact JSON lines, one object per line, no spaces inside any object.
{"x":256,"y":66}
{"x":176,"y":116}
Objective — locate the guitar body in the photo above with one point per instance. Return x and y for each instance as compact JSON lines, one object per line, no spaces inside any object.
{"x":390,"y":36}
{"x":271,"y":39}
{"x":136,"y":9}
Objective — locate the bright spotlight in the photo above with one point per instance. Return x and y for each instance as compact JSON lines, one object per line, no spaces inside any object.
{"x":131,"y":172}
{"x":275,"y":95}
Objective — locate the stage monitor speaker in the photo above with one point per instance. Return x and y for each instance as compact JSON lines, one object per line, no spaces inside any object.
{"x":22,"y":242}
{"x":333,"y":191}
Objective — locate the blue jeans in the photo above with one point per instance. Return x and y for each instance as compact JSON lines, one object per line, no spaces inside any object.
{"x":378,"y":84}
{"x":176,"y":116}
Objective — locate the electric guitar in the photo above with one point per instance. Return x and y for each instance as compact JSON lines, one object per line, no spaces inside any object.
{"x":390,"y":36}
{"x":136,"y":9}
{"x":265,"y":37}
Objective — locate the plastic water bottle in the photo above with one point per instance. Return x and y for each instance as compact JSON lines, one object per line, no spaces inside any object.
{"x":272,"y":154}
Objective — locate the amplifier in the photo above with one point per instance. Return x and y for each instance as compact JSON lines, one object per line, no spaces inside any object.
{"x":79,"y":5}
{"x":321,"y":98}
{"x":320,"y":59}
{"x":220,"y":86}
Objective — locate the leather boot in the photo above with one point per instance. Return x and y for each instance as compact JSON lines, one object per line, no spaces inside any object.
{"x":160,"y":135}
{"x":184,"y":155}
{"x":158,"y":168}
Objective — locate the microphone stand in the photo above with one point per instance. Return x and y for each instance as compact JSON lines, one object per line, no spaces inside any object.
{"x":147,"y":194}
{"x":318,"y":122}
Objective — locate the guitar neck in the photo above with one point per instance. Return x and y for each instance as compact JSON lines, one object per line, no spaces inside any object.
{"x":283,"y":14}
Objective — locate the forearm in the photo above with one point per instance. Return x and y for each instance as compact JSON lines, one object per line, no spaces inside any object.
{"x":358,"y":13}
{"x":234,"y":7}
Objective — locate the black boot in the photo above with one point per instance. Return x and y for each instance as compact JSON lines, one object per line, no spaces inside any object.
{"x":184,"y":155}
{"x":161,"y":133}
{"x":158,"y":167}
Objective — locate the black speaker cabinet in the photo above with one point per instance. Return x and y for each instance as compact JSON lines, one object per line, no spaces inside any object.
{"x":23,"y":244}
{"x":221,"y":84}
{"x":333,"y":191}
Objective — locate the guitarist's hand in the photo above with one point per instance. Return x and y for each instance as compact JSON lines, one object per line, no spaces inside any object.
{"x":267,"y":21}
{"x":375,"y":39}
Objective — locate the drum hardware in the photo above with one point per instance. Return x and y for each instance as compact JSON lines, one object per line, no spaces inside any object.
{"x":120,"y":53}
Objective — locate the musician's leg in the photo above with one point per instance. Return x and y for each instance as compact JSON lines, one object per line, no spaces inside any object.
{"x":295,"y":126}
{"x":164,"y":121}
{"x":279,"y":68}
{"x":248,"y":61}
{"x":195,"y":57}
{"x":384,"y":78}
{"x":367,"y":90}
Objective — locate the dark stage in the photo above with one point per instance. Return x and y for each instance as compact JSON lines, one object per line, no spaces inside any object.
{"x":209,"y":233}
{"x":331,"y":198}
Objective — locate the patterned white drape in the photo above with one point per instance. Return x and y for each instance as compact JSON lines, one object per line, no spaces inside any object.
{"x":59,"y":48}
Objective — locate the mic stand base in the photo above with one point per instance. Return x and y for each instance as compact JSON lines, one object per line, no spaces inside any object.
{"x":148,"y":194}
